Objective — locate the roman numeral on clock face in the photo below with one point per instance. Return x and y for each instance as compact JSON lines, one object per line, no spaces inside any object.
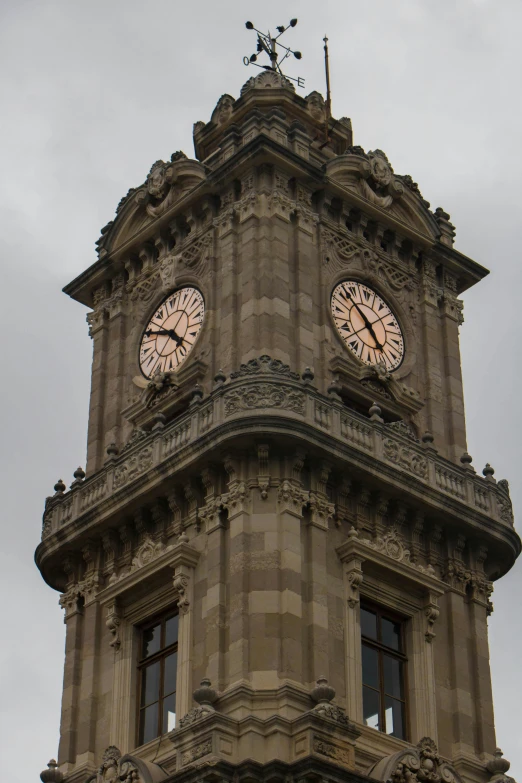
{"x":367,"y":325}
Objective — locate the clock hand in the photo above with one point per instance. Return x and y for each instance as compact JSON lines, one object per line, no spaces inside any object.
{"x":169,"y":333}
{"x":367,"y":324}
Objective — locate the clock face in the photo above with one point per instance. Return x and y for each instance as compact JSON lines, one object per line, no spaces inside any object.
{"x":367,"y":324}
{"x":172,"y":331}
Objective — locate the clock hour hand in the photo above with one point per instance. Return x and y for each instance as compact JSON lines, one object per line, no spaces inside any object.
{"x":367,"y":324}
{"x":169,"y":333}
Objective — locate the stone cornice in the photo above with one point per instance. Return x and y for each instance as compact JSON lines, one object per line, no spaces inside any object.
{"x":274,"y":405}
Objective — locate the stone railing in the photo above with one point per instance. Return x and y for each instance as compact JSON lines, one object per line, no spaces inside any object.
{"x":280,"y":399}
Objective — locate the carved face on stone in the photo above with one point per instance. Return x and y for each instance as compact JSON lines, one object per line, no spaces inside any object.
{"x":316,"y":105}
{"x":380,"y":169}
{"x":158,"y":181}
{"x":224,"y":108}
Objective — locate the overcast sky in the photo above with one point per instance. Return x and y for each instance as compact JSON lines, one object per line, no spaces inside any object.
{"x":91,"y":94}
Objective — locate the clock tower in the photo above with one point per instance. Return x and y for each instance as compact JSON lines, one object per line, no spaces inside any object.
{"x":279,"y":562}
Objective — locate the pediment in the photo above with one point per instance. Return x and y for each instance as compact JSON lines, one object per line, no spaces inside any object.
{"x":370,"y":176}
{"x":166,"y":184}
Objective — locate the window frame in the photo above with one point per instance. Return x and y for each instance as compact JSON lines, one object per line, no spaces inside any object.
{"x":143,"y":663}
{"x":401,"y":655}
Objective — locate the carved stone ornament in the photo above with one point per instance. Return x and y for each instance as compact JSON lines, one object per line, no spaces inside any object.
{"x":196,"y":752}
{"x":405,"y":458}
{"x":127,"y":769}
{"x":113,"y":623}
{"x":159,"y":180}
{"x":381,"y":171}
{"x":181,"y":584}
{"x":223,"y":109}
{"x":404,"y":428}
{"x":265,"y":364}
{"x":264,"y":395}
{"x":421,"y":764}
{"x":504,"y":501}
{"x":331,"y":751}
{"x":132,"y":467}
{"x":379,"y":183}
{"x":267,"y":80}
{"x":377,"y":388}
{"x":108,"y":771}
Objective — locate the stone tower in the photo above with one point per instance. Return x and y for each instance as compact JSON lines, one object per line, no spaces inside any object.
{"x":278,"y":564}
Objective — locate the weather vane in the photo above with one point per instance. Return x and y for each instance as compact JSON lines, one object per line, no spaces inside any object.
{"x":269,"y":44}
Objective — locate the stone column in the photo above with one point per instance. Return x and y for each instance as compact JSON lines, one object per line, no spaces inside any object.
{"x":71,"y":677}
{"x":287,"y":544}
{"x":430,"y":294}
{"x":116,"y":361}
{"x":451,"y":320}
{"x":353,"y":577}
{"x":184,"y":562}
{"x":237,"y":501}
{"x":98,"y":331}
{"x":321,"y":512}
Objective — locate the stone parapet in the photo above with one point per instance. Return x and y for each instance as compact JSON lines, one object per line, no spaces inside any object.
{"x":274,"y":404}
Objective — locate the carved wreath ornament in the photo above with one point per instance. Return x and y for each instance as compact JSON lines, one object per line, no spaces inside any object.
{"x":264,"y":396}
{"x":421,"y":764}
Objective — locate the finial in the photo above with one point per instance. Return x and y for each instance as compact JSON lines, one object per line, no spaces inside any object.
{"x":220,"y":378}
{"x":334,"y":388}
{"x":268,"y":43}
{"x":323,"y":693}
{"x":205,"y":696}
{"x":375,"y":413}
{"x":79,"y":474}
{"x":112,"y":450}
{"x":159,"y":422}
{"x":52,"y":774}
{"x":498,"y":766}
{"x":197,"y":394}
{"x":307,"y":375}
{"x":488,"y":472}
{"x":59,"y":486}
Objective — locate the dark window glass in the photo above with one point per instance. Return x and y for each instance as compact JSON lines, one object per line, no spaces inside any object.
{"x":392,"y":669}
{"x":371,"y":708}
{"x":149,"y":723}
{"x":169,"y":679}
{"x":157,"y":671}
{"x":171,"y":630}
{"x":368,"y":624}
{"x":150,"y":684}
{"x":151,"y":641}
{"x":370,"y":666}
{"x":383,"y":672}
{"x":394,"y":716}
{"x":391,"y":633}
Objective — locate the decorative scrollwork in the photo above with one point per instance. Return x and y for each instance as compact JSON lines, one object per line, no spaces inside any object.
{"x":264,"y":395}
{"x":405,"y":458}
